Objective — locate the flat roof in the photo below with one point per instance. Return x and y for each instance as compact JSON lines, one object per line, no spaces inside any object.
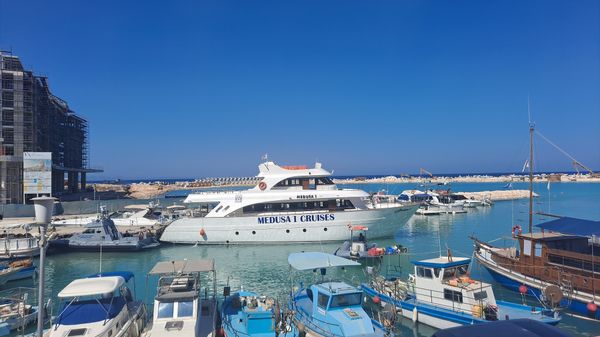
{"x":443,"y":262}
{"x":92,"y":286}
{"x":183,"y":267}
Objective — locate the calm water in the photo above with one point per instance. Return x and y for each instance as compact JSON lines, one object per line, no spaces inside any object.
{"x":265,"y":269}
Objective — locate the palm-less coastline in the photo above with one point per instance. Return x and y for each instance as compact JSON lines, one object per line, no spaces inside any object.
{"x":265,"y":269}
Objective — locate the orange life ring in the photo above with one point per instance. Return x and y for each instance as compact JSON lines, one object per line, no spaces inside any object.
{"x":516,"y":231}
{"x":262,"y":185}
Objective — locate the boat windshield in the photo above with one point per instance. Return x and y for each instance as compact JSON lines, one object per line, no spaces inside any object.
{"x":167,"y":309}
{"x":455,"y":271}
{"x":346,"y":300}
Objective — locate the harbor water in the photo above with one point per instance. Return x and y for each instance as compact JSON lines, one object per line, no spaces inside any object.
{"x":264,"y":268}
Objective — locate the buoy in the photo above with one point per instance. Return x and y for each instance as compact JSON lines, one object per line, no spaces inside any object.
{"x":376,"y":299}
{"x":221,"y":332}
{"x":415,"y":315}
{"x":592,"y":307}
{"x":523,"y":289}
{"x":202,"y":232}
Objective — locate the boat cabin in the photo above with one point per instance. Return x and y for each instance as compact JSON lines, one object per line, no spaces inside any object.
{"x":181,"y":306}
{"x":444,"y":281}
{"x":565,"y":253}
{"x":249,"y":314}
{"x":340,"y":305}
{"x":94,"y":306}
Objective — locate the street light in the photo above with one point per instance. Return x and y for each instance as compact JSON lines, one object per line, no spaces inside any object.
{"x":43,"y":215}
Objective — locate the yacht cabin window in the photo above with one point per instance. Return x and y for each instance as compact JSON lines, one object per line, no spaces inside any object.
{"x":185,"y":309}
{"x":306,"y":183}
{"x":330,"y":205}
{"x":527,"y":247}
{"x":424,"y":272}
{"x":481,"y":295}
{"x":454,"y":296}
{"x":166,"y":309}
{"x":455,"y":271}
{"x":346,"y":300}
{"x":322,"y":300}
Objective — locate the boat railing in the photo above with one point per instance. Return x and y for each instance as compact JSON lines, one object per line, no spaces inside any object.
{"x":458,"y":303}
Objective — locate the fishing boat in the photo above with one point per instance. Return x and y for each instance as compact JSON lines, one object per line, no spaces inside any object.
{"x":23,"y":269}
{"x":441,"y":294}
{"x":15,"y":311}
{"x":102,"y":234}
{"x":558,"y":265}
{"x":289,"y":204}
{"x":246,"y":313}
{"x":182,"y":306}
{"x":359,"y":248}
{"x":99,"y":305}
{"x":18,"y":246}
{"x":329,"y":308}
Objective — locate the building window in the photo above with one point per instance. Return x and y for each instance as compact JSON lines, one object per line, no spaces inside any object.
{"x":538,"y":249}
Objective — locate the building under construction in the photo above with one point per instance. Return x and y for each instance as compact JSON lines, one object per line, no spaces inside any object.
{"x":35,"y":120}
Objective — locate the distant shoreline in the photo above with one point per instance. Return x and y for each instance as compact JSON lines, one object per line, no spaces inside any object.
{"x":148,"y":190}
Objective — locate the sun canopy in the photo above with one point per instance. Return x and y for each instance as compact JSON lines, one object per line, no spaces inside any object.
{"x":572,"y":226}
{"x":126,"y":275}
{"x":316,"y":260}
{"x":92,"y":286}
{"x":183,"y":267}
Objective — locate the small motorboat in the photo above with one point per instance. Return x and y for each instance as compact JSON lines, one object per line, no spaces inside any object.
{"x":359,"y":248}
{"x":330,"y":308}
{"x":183,"y":308}
{"x":99,"y":305}
{"x":18,"y":246}
{"x":247,"y":314}
{"x":24,"y":269}
{"x":15,"y":312}
{"x":102,"y":234}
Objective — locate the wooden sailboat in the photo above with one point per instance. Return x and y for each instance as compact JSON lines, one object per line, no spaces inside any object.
{"x":558,"y":265}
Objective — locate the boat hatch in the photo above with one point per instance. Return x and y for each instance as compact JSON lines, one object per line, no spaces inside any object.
{"x":174,"y":326}
{"x":77,"y":332}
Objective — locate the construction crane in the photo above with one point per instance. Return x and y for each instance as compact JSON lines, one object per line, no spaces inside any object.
{"x":422,"y":170}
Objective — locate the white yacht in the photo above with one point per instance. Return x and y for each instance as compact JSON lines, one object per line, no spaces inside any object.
{"x":289,"y":204}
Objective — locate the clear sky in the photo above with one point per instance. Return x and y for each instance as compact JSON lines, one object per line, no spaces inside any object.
{"x":204,"y":88}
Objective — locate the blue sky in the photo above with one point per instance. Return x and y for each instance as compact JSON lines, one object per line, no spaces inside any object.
{"x":204,"y":88}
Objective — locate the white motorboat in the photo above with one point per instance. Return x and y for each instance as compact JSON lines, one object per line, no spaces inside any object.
{"x":181,"y":306}
{"x":18,"y":246}
{"x":100,"y":305}
{"x":289,"y":204}
{"x":139,"y":215}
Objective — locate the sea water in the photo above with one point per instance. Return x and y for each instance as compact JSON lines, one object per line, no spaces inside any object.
{"x":264,"y":268}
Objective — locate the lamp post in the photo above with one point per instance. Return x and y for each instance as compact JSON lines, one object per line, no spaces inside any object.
{"x":43,"y":214}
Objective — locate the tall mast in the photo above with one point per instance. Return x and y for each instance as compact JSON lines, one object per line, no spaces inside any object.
{"x":531,"y":131}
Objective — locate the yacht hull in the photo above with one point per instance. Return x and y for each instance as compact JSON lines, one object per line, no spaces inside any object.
{"x":283,"y":228}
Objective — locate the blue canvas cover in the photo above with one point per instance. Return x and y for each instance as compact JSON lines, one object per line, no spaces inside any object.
{"x":572,"y":226}
{"x":513,"y":328}
{"x":91,"y":311}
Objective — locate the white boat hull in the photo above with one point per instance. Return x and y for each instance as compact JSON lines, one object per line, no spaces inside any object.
{"x":282,"y":228}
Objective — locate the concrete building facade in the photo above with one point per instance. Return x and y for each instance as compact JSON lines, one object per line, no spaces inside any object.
{"x":33,"y":119}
